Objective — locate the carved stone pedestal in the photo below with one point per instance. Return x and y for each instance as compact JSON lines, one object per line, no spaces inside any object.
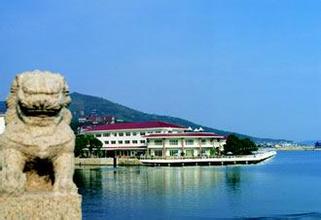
{"x":38,"y":206}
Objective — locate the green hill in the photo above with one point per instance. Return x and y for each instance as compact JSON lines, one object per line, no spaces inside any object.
{"x":87,"y":104}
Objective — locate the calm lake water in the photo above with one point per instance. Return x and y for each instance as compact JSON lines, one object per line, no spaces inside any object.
{"x":286,"y":187}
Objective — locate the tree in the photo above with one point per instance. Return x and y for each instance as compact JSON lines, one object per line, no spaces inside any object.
{"x":214,"y":151}
{"x":94,"y":144}
{"x":239,"y":146}
{"x":248,"y":146}
{"x":80,"y":144}
{"x":232,"y":145}
{"x":87,"y":141}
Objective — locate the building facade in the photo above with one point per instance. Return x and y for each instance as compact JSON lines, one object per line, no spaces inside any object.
{"x":155,"y":139}
{"x":2,"y":124}
{"x":188,"y":144}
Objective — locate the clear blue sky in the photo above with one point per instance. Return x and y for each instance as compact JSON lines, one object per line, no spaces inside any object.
{"x":245,"y":65}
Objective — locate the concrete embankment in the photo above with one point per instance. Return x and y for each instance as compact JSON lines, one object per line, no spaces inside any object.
{"x":107,"y":162}
{"x":129,"y":162}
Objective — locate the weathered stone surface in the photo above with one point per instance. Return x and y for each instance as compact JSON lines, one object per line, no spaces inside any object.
{"x":40,"y":206}
{"x":37,"y":150}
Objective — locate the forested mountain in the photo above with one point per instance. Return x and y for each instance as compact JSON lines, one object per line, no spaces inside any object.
{"x":86,"y":104}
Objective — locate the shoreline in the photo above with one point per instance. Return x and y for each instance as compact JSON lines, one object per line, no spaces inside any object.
{"x":225,"y":160}
{"x":297,"y":149}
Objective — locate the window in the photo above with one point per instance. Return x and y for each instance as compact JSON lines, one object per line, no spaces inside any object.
{"x":134,"y":133}
{"x":142,"y":141}
{"x":158,"y":153}
{"x":127,"y":133}
{"x":120,"y":142}
{"x":135,"y":141}
{"x":173,"y":142}
{"x":121,"y":134}
{"x":106,"y":142}
{"x":158,"y":142}
{"x":189,"y":142}
{"x":157,"y":132}
{"x":203,"y":141}
{"x":142,"y":133}
{"x":115,"y":134}
{"x":98,"y":135}
{"x":189,"y":153}
{"x":106,"y":134}
{"x":173,"y":152}
{"x":127,"y":142}
{"x":113,"y":142}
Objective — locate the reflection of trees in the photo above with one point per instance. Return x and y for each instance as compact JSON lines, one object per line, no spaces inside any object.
{"x":88,"y":178}
{"x":233,"y":178}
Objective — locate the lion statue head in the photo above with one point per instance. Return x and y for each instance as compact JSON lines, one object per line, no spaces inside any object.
{"x":39,"y":99}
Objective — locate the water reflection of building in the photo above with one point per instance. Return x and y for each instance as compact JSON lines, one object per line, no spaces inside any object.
{"x":169,"y":190}
{"x":140,"y":181}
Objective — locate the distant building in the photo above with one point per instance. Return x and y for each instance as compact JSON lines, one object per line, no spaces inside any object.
{"x":2,"y":123}
{"x":97,"y":120}
{"x":155,"y":138}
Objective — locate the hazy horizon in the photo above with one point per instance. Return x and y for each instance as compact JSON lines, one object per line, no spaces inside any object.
{"x":249,"y":66}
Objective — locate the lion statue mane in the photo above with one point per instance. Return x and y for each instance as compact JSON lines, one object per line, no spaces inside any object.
{"x":37,"y":145}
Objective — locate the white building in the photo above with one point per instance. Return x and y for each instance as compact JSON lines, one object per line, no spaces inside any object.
{"x":188,"y":144}
{"x":2,"y":124}
{"x":153,"y":139}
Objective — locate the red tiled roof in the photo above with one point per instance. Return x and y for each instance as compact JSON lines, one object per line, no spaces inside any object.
{"x":125,"y":148}
{"x":186,"y":134}
{"x":132,"y":125}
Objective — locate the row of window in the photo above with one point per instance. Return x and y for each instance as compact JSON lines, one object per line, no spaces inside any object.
{"x":119,"y":134}
{"x":174,"y":152}
{"x":134,"y":133}
{"x":175,"y":142}
{"x":125,"y":142}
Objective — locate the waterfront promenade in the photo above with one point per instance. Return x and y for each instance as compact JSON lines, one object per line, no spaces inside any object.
{"x":178,"y":161}
{"x":224,"y":160}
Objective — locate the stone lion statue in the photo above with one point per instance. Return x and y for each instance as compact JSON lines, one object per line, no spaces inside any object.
{"x":38,"y":143}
